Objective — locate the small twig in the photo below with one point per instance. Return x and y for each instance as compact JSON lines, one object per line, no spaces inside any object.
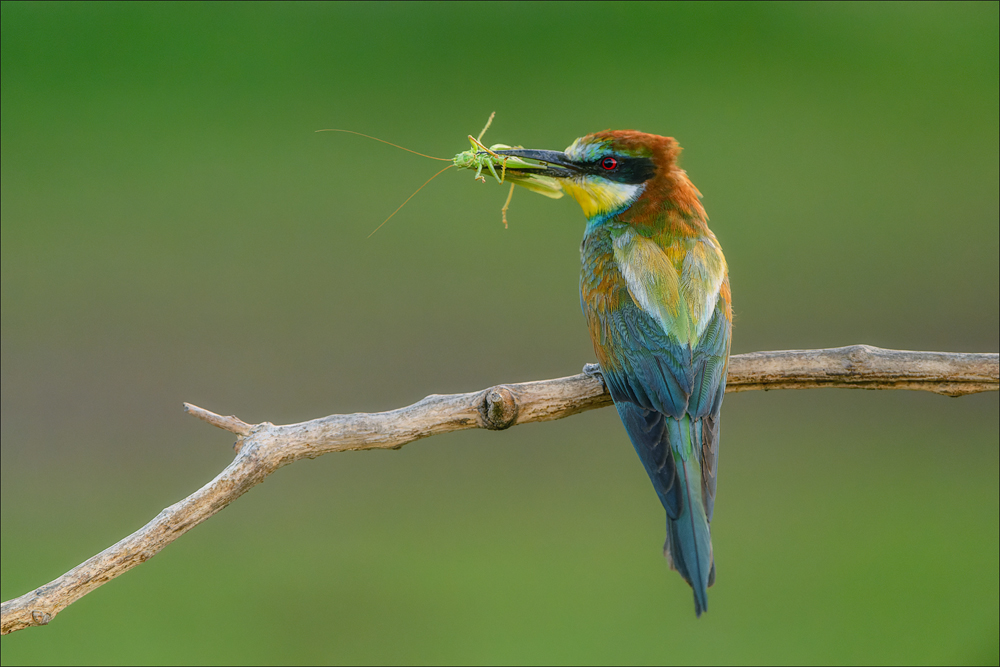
{"x":263,"y":448}
{"x":230,"y":423}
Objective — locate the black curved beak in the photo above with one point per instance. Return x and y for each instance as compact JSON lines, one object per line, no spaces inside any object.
{"x":551,"y":163}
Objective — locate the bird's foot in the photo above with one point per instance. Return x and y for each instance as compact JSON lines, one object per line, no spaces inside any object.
{"x":594,"y":370}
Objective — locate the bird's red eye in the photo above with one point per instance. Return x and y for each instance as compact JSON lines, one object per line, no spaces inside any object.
{"x":609,"y":163}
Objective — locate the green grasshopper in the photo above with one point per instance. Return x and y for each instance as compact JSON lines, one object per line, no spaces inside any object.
{"x":480,"y":156}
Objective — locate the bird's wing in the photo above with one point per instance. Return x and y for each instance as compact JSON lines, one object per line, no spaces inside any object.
{"x":656,"y":357}
{"x":650,"y":374}
{"x":711,"y":361}
{"x":648,"y":431}
{"x":642,"y":363}
{"x":662,"y":321}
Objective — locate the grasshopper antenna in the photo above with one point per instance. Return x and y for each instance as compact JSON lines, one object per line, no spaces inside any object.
{"x":367,"y":136}
{"x":413,"y":195}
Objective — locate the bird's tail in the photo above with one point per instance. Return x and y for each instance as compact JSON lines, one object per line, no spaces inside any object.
{"x":689,"y":544}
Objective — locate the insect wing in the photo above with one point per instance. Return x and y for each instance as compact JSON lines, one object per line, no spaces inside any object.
{"x":543,"y":185}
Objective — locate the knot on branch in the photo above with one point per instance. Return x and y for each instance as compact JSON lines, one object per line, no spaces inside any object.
{"x":498,"y":408}
{"x":860,"y":354}
{"x":40,"y":617}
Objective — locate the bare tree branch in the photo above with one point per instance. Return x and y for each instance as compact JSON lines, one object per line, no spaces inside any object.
{"x":864,"y":367}
{"x":263,"y":448}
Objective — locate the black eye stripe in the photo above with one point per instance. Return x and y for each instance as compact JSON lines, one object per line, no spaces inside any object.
{"x":630,"y":170}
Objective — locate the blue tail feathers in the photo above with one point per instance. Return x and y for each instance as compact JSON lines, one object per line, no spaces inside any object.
{"x":670,"y":450}
{"x":688,"y":540}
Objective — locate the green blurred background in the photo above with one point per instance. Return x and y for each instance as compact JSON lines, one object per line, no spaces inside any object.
{"x":174,"y":230}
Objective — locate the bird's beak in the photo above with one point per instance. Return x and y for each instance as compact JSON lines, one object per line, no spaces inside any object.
{"x":543,"y":172}
{"x":554,"y":164}
{"x":552,"y":173}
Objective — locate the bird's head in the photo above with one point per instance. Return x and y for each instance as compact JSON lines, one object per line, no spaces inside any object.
{"x":616,"y":171}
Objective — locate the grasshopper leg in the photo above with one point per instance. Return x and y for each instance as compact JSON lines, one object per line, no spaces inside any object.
{"x":488,"y":123}
{"x":484,"y":148}
{"x":489,"y":163}
{"x":506,"y":205}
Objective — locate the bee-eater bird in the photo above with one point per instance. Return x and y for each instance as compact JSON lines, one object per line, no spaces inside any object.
{"x":654,"y":289}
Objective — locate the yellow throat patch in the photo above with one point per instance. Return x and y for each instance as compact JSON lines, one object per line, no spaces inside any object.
{"x":598,"y":196}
